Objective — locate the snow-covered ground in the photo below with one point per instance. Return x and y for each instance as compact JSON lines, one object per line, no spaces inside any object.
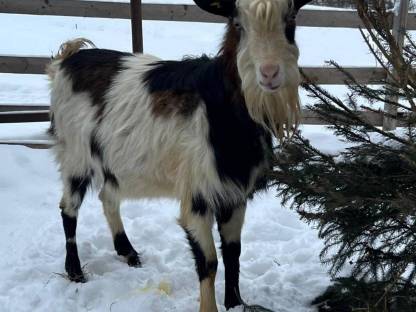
{"x":279,"y":263}
{"x":280,"y":268}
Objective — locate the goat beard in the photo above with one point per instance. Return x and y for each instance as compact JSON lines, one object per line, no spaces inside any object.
{"x":277,"y":112}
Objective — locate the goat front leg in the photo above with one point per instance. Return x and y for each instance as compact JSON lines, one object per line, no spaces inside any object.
{"x":197,"y":220}
{"x":230,"y":222}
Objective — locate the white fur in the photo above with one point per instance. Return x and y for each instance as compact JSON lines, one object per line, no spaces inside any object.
{"x":151,"y":156}
{"x":171,"y":156}
{"x":264,"y":42}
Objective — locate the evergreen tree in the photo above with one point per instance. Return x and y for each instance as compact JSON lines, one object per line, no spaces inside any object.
{"x":362,"y":200}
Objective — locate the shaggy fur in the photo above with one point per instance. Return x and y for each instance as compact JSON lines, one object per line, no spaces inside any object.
{"x":198,"y":130}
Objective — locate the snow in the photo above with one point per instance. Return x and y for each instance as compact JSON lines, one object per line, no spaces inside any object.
{"x":280,"y":268}
{"x":279,"y":263}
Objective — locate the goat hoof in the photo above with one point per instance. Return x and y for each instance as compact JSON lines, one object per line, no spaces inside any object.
{"x":230,"y":305}
{"x":77,"y":278}
{"x":255,"y":308}
{"x":74,"y":271}
{"x":133,"y":260}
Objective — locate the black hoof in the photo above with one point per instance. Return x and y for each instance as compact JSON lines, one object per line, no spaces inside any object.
{"x":230,"y":305}
{"x":74,"y":271}
{"x":125,"y":249}
{"x":232,"y":298}
{"x":77,"y":278}
{"x":255,"y":308}
{"x":133,"y":259}
{"x":75,"y":274}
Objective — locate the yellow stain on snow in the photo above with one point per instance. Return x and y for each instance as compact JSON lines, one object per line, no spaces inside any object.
{"x":163,"y":288}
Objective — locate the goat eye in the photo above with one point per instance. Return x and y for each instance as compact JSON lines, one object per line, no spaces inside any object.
{"x":237,"y":25}
{"x":290,"y":28}
{"x":290,"y":18}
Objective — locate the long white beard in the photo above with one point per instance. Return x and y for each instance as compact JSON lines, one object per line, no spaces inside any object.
{"x":278,"y":111}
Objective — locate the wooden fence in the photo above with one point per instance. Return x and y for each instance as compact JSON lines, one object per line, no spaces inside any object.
{"x":184,"y":13}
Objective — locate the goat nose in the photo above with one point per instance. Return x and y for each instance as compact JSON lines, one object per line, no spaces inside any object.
{"x":269,"y":71}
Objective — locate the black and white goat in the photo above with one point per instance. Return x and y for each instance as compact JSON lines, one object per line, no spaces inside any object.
{"x":199,"y":130}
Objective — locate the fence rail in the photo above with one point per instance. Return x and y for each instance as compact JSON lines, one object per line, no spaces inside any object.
{"x":42,"y":114}
{"x":22,"y":107}
{"x":320,"y":75}
{"x":172,"y":12}
{"x":180,"y":13}
{"x":308,"y":118}
{"x":23,"y":64}
{"x":24,"y":116}
{"x":41,"y":144}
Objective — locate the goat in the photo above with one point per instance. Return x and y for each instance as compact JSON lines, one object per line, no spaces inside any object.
{"x":199,"y":130}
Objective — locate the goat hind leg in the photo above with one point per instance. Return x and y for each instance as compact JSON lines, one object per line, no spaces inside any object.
{"x":75,"y":189}
{"x":111,"y":206}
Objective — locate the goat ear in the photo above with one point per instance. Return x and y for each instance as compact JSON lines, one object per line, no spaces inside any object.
{"x":298,"y":4}
{"x":219,"y":7}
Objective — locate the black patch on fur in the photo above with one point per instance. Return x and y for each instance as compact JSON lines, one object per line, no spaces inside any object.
{"x":79,"y":185}
{"x":231,"y":254}
{"x":122,"y":244}
{"x":225,"y":211}
{"x":212,"y":266}
{"x":70,"y":225}
{"x":92,"y":71}
{"x":124,"y":248}
{"x":234,"y":136}
{"x":290,"y":29}
{"x":72,"y":263}
{"x":223,"y":215}
{"x":203,"y":268}
{"x":199,"y":205}
{"x":95,"y":146}
{"x":109,"y":177}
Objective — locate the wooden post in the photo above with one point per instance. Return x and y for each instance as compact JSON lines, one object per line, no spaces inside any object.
{"x":136,"y":25}
{"x":399,"y":29}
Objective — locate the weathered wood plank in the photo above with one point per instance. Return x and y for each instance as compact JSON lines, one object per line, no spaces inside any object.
{"x":321,"y":75}
{"x":23,"y":64}
{"x":136,"y":25}
{"x":399,"y":31}
{"x":32,"y":144}
{"x":67,"y":8}
{"x":178,"y":13}
{"x":332,"y":76}
{"x":375,"y":118}
{"x":24,"y":116}
{"x":311,"y":118}
{"x":22,"y":107}
{"x":169,"y":12}
{"x":308,"y":117}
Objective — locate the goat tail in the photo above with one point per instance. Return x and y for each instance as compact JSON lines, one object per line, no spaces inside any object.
{"x":71,"y":47}
{"x":66,"y":50}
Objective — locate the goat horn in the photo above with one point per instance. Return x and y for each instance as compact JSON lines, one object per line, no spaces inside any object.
{"x":300,"y":3}
{"x":218,"y":7}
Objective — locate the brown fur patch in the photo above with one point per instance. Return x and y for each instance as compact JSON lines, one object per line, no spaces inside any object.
{"x":168,"y":103}
{"x":229,"y":51}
